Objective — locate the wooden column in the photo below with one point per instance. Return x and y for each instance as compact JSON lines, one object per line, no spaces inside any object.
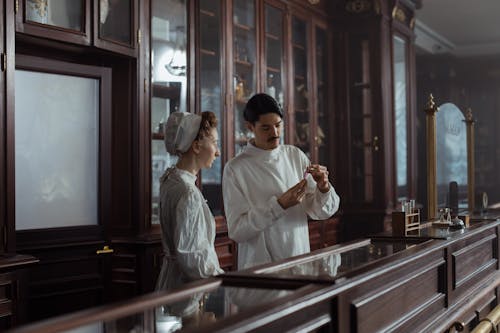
{"x":471,"y":181}
{"x":430,"y":121}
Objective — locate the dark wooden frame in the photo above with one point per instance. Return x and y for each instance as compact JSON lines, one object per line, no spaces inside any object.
{"x":404,"y":30}
{"x":82,"y":37}
{"x":4,"y":226}
{"x":117,"y":46}
{"x":98,"y":232}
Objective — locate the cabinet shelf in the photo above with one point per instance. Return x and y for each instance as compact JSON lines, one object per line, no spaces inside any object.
{"x":207,"y":13}
{"x":167,"y":92}
{"x":271,"y":36}
{"x":361,"y":85}
{"x":299,"y":77}
{"x":298,"y":47}
{"x":208,"y":52}
{"x":243,"y":63}
{"x":273,"y":70}
{"x":243,"y":27}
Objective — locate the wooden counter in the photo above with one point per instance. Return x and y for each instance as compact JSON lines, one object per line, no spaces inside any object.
{"x":370,"y":285}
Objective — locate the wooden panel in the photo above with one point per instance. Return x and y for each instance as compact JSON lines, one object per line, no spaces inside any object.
{"x":315,"y":239}
{"x":67,"y":278}
{"x":224,"y":247}
{"x":472,"y":259}
{"x":124,"y":271}
{"x":390,"y":307}
{"x":331,"y":232}
{"x":6,"y":294}
{"x":403,"y":296}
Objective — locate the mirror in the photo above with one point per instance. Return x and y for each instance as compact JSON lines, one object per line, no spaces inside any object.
{"x":451,"y":151}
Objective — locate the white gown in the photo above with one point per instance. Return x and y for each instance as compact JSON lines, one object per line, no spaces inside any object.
{"x":252,"y":183}
{"x":188,"y":231}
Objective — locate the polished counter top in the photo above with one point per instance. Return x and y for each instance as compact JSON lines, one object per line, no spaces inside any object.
{"x":414,"y":284}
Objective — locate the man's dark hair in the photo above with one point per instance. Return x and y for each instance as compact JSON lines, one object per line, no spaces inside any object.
{"x":261,"y":104}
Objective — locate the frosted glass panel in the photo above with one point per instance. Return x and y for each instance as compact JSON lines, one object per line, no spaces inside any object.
{"x":56,"y":150}
{"x":400,"y":109}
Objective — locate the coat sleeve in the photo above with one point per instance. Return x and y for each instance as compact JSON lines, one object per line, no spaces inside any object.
{"x":318,"y":206}
{"x":245,"y":221}
{"x":195,"y":253}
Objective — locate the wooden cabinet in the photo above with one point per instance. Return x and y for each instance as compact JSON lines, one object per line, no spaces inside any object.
{"x":324,"y":233}
{"x":106,"y":24}
{"x":13,"y":289}
{"x":239,"y":50}
{"x":374,"y":70}
{"x":68,"y":21}
{"x":213,"y":56}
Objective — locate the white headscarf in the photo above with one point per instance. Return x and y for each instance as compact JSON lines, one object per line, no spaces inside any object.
{"x":180,"y":131}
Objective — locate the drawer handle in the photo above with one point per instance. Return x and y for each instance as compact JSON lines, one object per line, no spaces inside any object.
{"x":458,"y":326}
{"x":105,"y":249}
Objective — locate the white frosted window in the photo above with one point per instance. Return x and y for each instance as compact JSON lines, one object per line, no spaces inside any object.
{"x":56,"y":150}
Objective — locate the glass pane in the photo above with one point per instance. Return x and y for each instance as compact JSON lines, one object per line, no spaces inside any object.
{"x":274,"y":55}
{"x":56,"y":150}
{"x":363,"y":143}
{"x":301,"y":93}
{"x":198,"y":310}
{"x":451,"y":152}
{"x":244,"y":65}
{"x":168,"y":82}
{"x":322,"y":96}
{"x":210,"y":90}
{"x":115,"y":20}
{"x":61,"y":13}
{"x":400,"y":109}
{"x":336,"y":263}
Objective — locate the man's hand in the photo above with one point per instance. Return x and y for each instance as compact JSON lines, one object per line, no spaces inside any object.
{"x":320,"y":175}
{"x":294,"y":195}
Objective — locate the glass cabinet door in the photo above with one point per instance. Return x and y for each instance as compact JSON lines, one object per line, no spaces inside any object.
{"x":115,"y":24}
{"x":323,"y":126}
{"x":67,"y":14}
{"x":244,"y":54}
{"x":301,"y":107}
{"x":400,"y":116}
{"x":363,"y":143}
{"x":168,"y":83}
{"x":115,"y":20}
{"x":210,"y":73}
{"x":274,"y":47}
{"x":66,"y":20}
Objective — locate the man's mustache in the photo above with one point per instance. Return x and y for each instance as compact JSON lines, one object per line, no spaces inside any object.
{"x":273,"y":138}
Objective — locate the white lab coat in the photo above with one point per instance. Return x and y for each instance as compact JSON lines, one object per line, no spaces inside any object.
{"x":252,"y":183}
{"x":188,"y":231}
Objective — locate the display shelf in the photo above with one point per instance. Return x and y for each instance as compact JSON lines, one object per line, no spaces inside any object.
{"x":405,"y":223}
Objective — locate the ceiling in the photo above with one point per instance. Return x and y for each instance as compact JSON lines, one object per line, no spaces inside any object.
{"x":460,"y":27}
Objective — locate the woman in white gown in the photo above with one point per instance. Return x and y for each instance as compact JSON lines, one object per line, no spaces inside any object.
{"x":188,"y":226}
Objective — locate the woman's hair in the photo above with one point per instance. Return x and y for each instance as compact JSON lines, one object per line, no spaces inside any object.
{"x":261,"y":104}
{"x":208,"y":121}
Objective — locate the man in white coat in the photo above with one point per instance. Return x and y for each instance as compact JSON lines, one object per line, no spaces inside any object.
{"x":270,"y":189}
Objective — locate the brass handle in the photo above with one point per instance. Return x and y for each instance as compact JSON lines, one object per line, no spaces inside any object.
{"x":105,"y":249}
{"x":375,"y":143}
{"x":458,"y":326}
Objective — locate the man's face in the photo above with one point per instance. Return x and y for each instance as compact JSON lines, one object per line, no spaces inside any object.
{"x":267,"y":131}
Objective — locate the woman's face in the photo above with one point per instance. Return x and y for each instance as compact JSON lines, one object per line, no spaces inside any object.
{"x":209,"y":149}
